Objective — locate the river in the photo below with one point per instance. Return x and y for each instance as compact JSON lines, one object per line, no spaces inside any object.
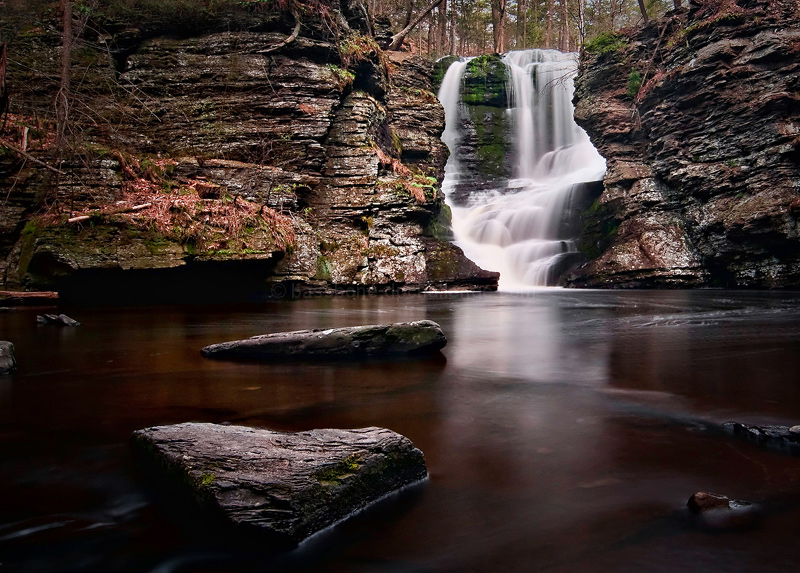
{"x":555,"y":431}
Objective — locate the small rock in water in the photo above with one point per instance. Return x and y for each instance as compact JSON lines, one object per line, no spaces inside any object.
{"x":57,"y":319}
{"x":7,"y":361}
{"x":719,"y":512}
{"x":287,"y":486}
{"x":780,"y":438}
{"x":382,"y":340}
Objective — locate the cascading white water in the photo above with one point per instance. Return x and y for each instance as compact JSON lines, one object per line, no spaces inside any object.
{"x":519,"y":228}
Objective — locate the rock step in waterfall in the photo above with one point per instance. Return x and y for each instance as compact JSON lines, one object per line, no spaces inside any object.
{"x":524,"y":226}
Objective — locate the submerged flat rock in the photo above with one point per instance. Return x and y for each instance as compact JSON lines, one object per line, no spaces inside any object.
{"x":380,"y":340}
{"x":286,"y":485}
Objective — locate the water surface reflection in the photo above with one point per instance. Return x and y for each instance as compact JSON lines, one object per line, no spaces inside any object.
{"x":549,"y":431}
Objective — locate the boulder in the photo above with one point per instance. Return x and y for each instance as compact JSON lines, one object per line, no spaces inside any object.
{"x":7,"y":361}
{"x":57,"y":319}
{"x":719,"y":512}
{"x":283,"y":486}
{"x":374,"y":341}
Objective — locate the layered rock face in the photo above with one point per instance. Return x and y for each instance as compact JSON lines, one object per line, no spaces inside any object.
{"x":316,"y":166}
{"x":703,"y":181}
{"x":485,"y":132}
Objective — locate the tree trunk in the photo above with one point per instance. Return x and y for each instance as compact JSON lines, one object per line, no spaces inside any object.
{"x":452,"y":27}
{"x":499,"y":25}
{"x":397,"y":39}
{"x":409,"y":13}
{"x":565,"y":26}
{"x":548,"y":38}
{"x":644,"y":11}
{"x":441,"y":28}
{"x":62,"y":97}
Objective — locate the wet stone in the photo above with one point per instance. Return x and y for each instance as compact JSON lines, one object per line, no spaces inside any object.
{"x":56,"y":319}
{"x":282,"y":486}
{"x":8,"y":362}
{"x":719,"y":512}
{"x":423,"y":337}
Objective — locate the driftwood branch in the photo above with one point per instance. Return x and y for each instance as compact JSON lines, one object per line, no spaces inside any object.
{"x":291,"y":38}
{"x":80,"y":218}
{"x":26,"y":155}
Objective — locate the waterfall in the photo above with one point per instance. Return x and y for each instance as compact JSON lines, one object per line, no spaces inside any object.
{"x":524,"y":227}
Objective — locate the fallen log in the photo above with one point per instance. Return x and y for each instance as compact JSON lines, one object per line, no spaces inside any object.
{"x":31,"y":298}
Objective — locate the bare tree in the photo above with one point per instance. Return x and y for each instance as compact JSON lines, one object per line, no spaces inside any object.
{"x":397,"y":39}
{"x":3,"y":89}
{"x":62,"y":97}
{"x":644,"y":11}
{"x":581,"y":21}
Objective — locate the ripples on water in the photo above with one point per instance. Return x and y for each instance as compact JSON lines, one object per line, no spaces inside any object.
{"x":554,"y":431}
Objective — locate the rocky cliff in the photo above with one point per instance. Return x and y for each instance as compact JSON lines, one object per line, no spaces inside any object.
{"x":698,"y":116}
{"x":202,"y":158}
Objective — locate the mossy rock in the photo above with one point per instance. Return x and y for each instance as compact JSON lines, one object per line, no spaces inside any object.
{"x":492,"y":131}
{"x":485,"y":82}
{"x":440,"y":68}
{"x":357,"y":342}
{"x":600,"y":227}
{"x":282,"y":486}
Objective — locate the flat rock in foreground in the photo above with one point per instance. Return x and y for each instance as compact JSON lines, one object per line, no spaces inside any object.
{"x":288,"y":486}
{"x":382,"y":340}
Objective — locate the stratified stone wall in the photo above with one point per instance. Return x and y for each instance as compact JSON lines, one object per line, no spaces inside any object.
{"x":338,"y":138}
{"x":703,"y":181}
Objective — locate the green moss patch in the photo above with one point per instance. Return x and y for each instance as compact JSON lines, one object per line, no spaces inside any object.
{"x":606,"y":43}
{"x":336,"y":473}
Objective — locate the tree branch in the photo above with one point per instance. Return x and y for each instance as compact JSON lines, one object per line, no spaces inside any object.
{"x":291,"y":38}
{"x":397,"y":39}
{"x":28,"y":156}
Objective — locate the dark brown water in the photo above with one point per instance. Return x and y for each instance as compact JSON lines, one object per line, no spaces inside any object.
{"x":552,"y":432}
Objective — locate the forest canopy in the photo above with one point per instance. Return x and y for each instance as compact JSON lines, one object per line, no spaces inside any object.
{"x":464,"y":27}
